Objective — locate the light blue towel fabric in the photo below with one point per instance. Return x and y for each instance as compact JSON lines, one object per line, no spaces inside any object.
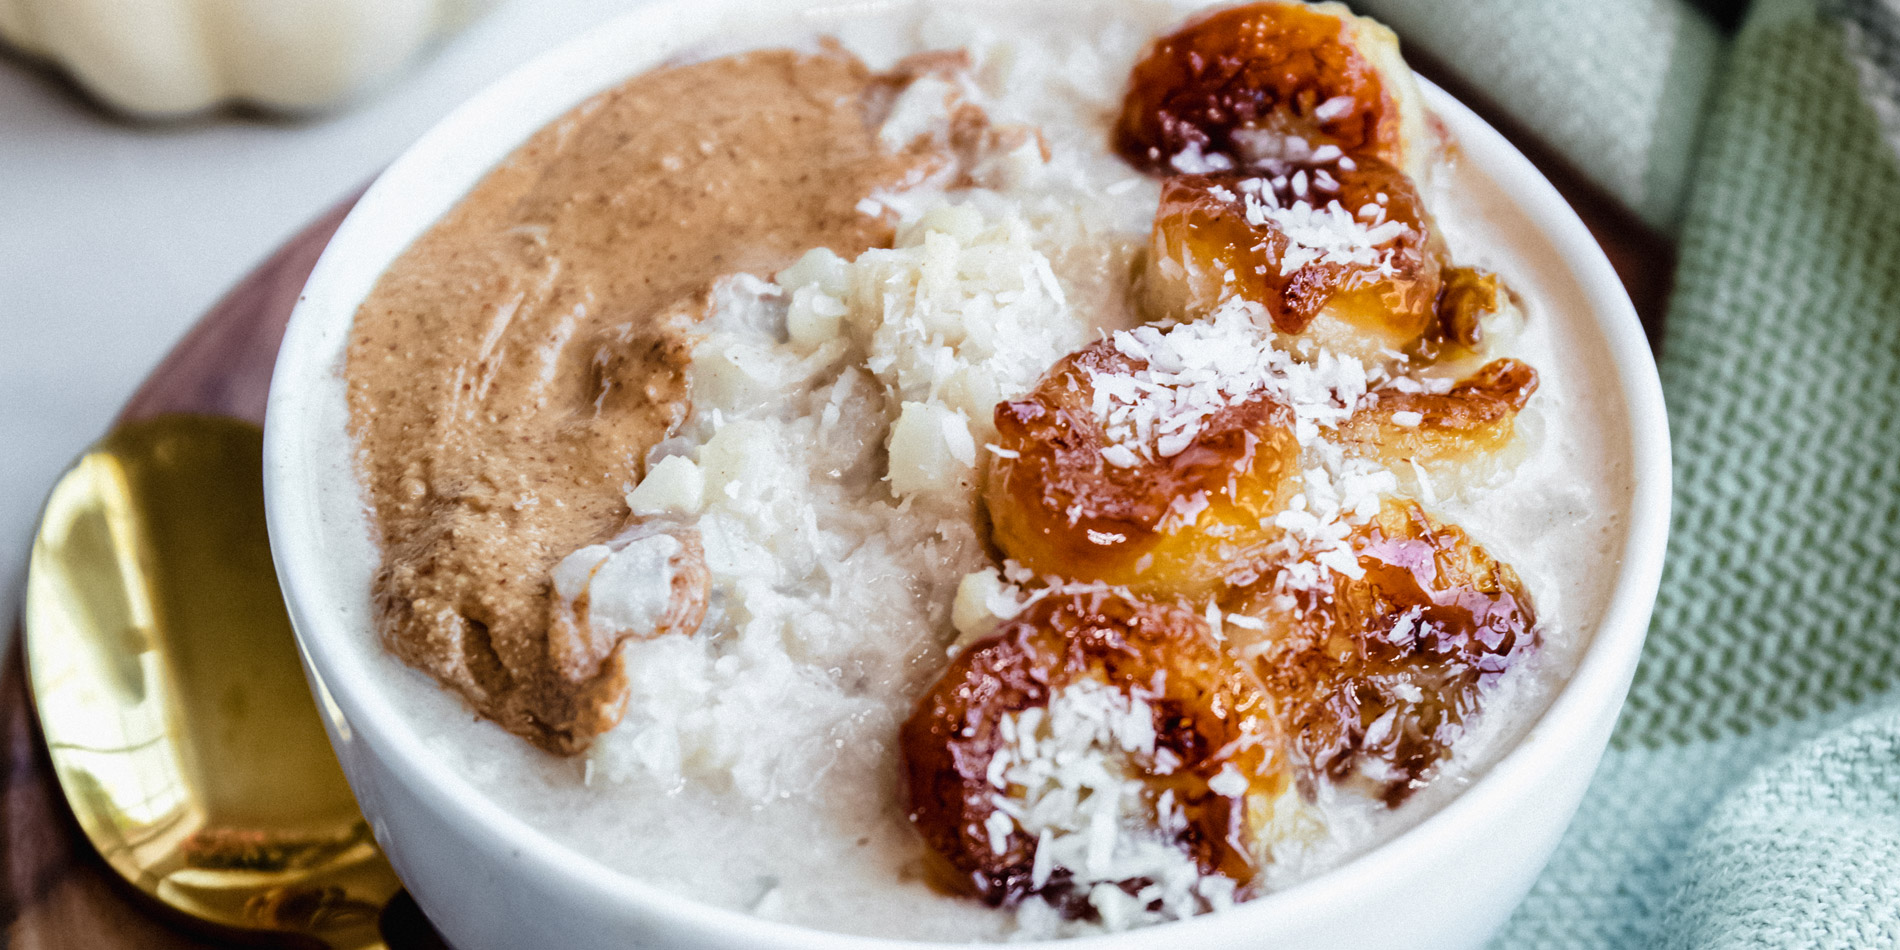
{"x":1751,"y":797}
{"x":1617,"y":86}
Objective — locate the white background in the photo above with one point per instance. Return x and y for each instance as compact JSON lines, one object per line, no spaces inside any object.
{"x":115,"y":236}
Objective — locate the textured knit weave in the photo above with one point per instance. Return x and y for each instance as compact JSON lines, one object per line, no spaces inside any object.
{"x":1615,"y":85}
{"x":1751,"y":797}
{"x":1805,"y":855}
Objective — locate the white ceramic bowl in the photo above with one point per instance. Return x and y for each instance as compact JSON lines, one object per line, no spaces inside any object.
{"x":491,"y":882}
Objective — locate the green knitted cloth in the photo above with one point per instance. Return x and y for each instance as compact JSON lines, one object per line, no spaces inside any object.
{"x":1751,"y":796}
{"x":1615,"y":85}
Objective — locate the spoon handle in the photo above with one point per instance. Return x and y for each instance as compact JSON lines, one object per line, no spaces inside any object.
{"x":55,"y":891}
{"x":58,"y":894}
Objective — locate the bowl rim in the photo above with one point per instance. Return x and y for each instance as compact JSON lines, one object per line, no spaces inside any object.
{"x":556,"y":80}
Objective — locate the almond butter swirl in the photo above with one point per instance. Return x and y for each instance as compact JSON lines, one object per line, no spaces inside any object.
{"x":511,"y":370}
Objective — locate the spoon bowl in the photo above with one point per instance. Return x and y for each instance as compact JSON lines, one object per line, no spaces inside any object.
{"x":168,"y":687}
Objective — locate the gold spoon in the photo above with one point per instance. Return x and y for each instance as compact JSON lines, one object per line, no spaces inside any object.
{"x":168,"y":688}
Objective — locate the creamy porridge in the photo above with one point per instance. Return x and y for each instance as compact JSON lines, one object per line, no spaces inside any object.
{"x":969,"y":475}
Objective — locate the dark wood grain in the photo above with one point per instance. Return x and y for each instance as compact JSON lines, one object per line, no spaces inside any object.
{"x":55,"y":891}
{"x":56,"y":894}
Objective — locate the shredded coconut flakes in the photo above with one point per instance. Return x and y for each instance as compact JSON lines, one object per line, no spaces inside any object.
{"x":1192,"y":371}
{"x":1067,"y":775}
{"x":1187,"y":373}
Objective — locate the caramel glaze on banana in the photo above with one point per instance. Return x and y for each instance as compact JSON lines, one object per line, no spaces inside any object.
{"x":1260,"y":119}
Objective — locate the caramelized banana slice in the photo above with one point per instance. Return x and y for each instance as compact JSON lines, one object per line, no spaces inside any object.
{"x":1466,"y":296}
{"x":1377,"y":675}
{"x":1475,"y":417}
{"x":1348,"y":258}
{"x":1254,"y":82}
{"x":1154,"y":477}
{"x":1096,"y":740}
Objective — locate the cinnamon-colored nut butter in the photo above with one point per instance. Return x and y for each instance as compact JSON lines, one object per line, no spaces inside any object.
{"x":511,"y":370}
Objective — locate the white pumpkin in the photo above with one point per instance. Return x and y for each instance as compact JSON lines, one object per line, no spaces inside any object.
{"x":164,"y":58}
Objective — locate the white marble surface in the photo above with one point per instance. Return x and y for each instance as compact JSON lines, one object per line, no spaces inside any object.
{"x":114,"y":237}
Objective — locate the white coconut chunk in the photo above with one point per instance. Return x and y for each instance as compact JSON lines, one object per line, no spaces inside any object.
{"x":673,"y":485}
{"x":931,"y":450}
{"x":740,"y":457}
{"x":922,"y":110}
{"x":983,"y":600}
{"x":628,"y":582}
{"x":814,"y":316}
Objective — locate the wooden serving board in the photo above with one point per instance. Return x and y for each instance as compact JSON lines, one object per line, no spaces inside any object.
{"x":55,"y":892}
